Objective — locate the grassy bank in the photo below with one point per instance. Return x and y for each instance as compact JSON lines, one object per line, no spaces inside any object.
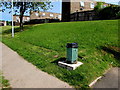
{"x":44,"y":44}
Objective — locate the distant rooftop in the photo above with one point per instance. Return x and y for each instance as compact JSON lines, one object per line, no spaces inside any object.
{"x":23,"y":15}
{"x":46,"y":12}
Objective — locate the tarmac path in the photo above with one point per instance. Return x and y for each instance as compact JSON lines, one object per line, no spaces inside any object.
{"x":22,"y":74}
{"x":110,"y":80}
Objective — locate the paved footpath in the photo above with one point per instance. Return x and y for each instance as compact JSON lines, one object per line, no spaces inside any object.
{"x":22,"y":74}
{"x":110,"y":80}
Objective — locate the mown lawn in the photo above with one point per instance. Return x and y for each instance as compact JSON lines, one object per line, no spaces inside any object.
{"x":40,"y":44}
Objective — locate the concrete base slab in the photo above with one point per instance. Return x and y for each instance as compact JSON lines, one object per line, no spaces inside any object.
{"x":69,"y":66}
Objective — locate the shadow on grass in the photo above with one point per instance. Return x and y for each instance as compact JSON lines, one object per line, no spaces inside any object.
{"x":59,"y":59}
{"x":10,"y":30}
{"x":113,"y":51}
{"x":15,"y":30}
{"x":64,"y":59}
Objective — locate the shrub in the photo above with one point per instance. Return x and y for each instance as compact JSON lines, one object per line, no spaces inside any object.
{"x":111,"y":12}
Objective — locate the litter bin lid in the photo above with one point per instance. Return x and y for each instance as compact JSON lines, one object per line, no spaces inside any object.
{"x":72,"y":45}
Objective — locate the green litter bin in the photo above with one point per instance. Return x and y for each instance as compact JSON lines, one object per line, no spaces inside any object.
{"x":72,"y":52}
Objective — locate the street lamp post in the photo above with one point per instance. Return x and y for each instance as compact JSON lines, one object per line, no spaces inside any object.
{"x":12,"y":21}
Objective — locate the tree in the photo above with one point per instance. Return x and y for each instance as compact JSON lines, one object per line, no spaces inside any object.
{"x":25,"y":7}
{"x":99,"y":7}
{"x":110,"y":12}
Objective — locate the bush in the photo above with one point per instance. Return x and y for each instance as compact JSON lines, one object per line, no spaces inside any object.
{"x":38,"y":21}
{"x":111,"y":12}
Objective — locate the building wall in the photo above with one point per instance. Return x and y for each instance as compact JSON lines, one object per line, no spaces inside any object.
{"x":71,"y":7}
{"x":44,"y":15}
{"x":16,"y":19}
{"x":66,"y":11}
{"x":76,"y":6}
{"x":3,"y":23}
{"x":83,"y":16}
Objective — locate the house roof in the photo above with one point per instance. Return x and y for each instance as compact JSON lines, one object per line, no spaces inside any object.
{"x":46,"y":12}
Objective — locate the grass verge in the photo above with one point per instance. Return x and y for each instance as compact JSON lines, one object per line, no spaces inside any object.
{"x":40,"y":44}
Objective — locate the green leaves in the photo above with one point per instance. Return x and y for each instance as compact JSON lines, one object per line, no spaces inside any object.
{"x":29,"y":6}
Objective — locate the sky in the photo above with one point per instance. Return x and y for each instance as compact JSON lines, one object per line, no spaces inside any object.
{"x":56,"y":8}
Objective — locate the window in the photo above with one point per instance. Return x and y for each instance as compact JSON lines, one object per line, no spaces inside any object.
{"x":23,"y":19}
{"x":82,"y":4}
{"x":28,"y":18}
{"x":92,"y":5}
{"x":51,"y":15}
{"x":17,"y":19}
{"x":43,"y":14}
{"x":59,"y":16}
{"x":36,"y":14}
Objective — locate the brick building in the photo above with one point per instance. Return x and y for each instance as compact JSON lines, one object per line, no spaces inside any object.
{"x":44,"y":15}
{"x":16,"y":19}
{"x":72,"y":10}
{"x":37,"y":16}
{"x":3,"y":23}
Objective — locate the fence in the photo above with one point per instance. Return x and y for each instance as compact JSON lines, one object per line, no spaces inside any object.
{"x":83,"y":16}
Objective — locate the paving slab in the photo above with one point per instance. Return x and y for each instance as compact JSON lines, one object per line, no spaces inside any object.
{"x":22,"y":74}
